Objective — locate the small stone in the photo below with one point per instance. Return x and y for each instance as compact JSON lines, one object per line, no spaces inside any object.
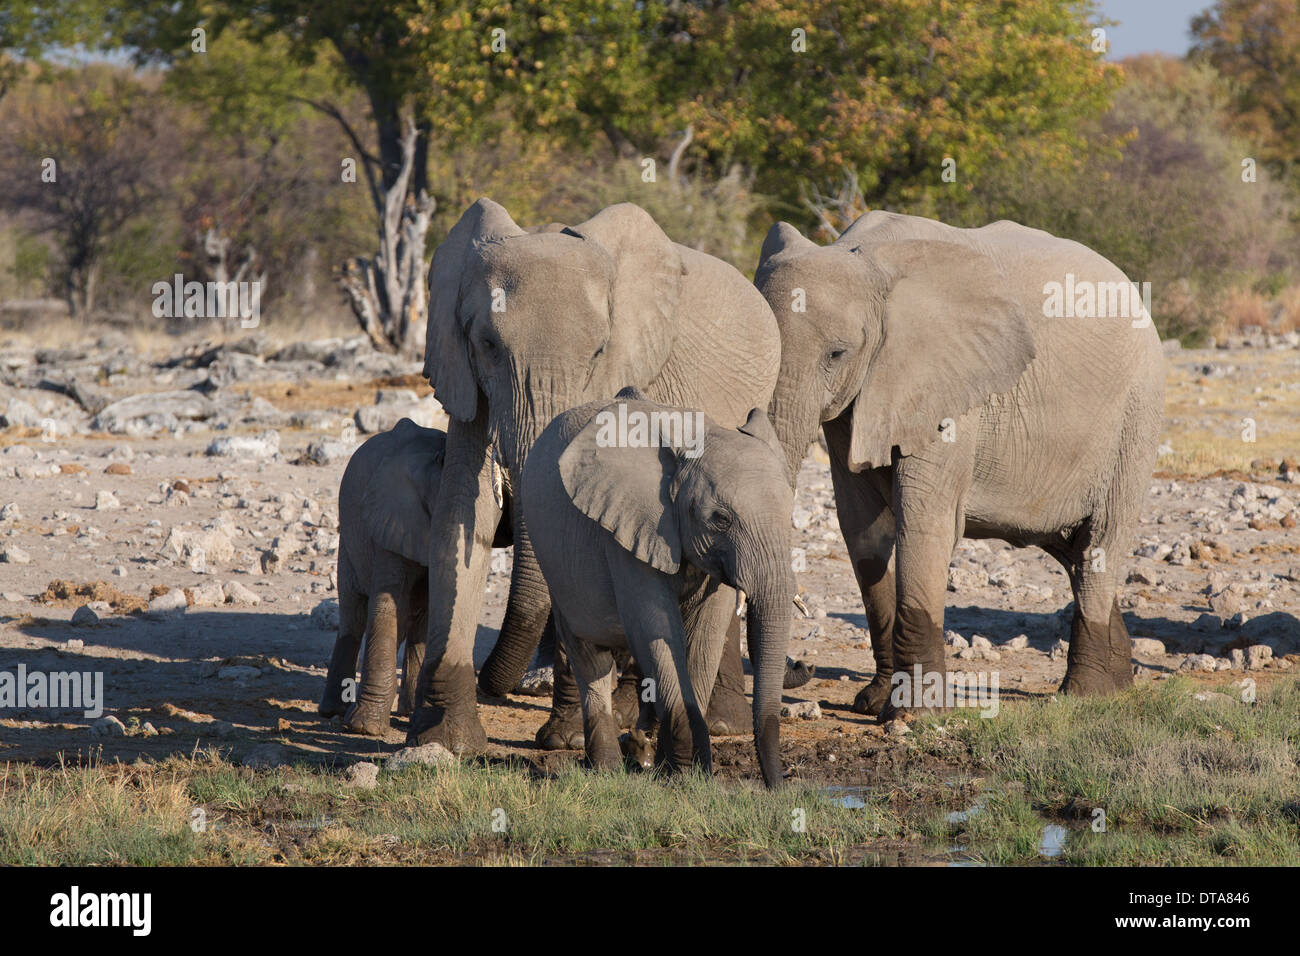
{"x":266,"y":757}
{"x":12,"y":554}
{"x":897,"y":728}
{"x":240,"y":596}
{"x":168,"y":604}
{"x":1198,"y":662}
{"x":74,"y":645}
{"x":980,"y":641}
{"x":1059,"y":650}
{"x":118,"y":468}
{"x":955,"y":640}
{"x":1258,"y":656}
{"x":238,"y":672}
{"x":270,"y":562}
{"x":108,"y":726}
{"x":209,"y":595}
{"x":92,"y":613}
{"x":325,"y":615}
{"x":106,"y":501}
{"x":363,"y":775}
{"x":1017,"y":643}
{"x":802,"y":709}
{"x":1147,"y":646}
{"x":538,"y":682}
{"x":428,"y":755}
{"x":10,"y":512}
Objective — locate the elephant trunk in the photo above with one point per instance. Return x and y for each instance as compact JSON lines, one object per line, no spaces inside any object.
{"x":538,"y":396}
{"x":768,"y":630}
{"x":527,"y":609}
{"x":795,"y":421}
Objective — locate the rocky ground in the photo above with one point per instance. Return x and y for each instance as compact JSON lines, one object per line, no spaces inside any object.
{"x":171,"y":523}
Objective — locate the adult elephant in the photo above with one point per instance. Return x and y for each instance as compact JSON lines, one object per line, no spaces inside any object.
{"x":953,"y":405}
{"x":523,"y":326}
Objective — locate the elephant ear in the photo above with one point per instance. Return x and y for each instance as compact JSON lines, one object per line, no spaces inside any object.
{"x":625,"y":490}
{"x":646,"y":291}
{"x":397,"y":505}
{"x":446,"y":349}
{"x":759,"y":426}
{"x":952,"y":337}
{"x":781,"y":240}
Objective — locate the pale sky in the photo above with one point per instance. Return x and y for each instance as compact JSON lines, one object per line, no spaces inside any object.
{"x":1150,"y":26}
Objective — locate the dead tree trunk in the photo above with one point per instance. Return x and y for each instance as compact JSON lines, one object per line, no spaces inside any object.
{"x":387,"y":290}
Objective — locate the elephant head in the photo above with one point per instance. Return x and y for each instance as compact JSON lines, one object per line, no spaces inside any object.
{"x":536,"y":323}
{"x":721,"y":504}
{"x":907,"y":320}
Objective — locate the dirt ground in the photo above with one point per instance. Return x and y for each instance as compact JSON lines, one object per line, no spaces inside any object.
{"x":129,"y":509}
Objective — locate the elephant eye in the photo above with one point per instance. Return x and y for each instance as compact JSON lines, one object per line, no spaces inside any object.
{"x":836,"y":354}
{"x":720,"y":520}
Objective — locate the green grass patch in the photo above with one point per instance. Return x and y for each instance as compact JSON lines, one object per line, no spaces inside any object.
{"x":1179,"y":780}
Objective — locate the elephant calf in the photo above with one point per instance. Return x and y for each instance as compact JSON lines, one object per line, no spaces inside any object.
{"x":385,"y":496}
{"x":637,"y":510}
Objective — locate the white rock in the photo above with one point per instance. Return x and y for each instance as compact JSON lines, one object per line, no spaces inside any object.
{"x":1017,"y":643}
{"x":803,"y":709}
{"x":266,"y":445}
{"x":363,"y":775}
{"x":166,"y":605}
{"x":106,"y":501}
{"x":1147,"y":646}
{"x":12,"y":554}
{"x":208,"y":595}
{"x":108,"y":726}
{"x":325,"y":615}
{"x":429,"y":755}
{"x":240,"y":596}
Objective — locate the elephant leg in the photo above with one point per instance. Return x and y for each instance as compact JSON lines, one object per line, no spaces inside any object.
{"x":657,"y":635}
{"x":412,"y":634}
{"x":862,"y":503}
{"x":1100,"y":657}
{"x":627,"y":693}
{"x":370,"y":715}
{"x":593,"y":668}
{"x":929,"y":522}
{"x":712,"y":630}
{"x":729,"y":711}
{"x":463,"y":525}
{"x":343,"y":662}
{"x":563,"y":728}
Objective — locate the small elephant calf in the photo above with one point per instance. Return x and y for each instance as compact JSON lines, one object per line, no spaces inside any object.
{"x":633,"y":507}
{"x":385,"y":499}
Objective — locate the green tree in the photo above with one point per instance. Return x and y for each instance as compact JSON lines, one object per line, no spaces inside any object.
{"x":1255,"y":45}
{"x":884,"y":91}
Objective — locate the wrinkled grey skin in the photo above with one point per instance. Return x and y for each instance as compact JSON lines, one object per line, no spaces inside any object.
{"x":525,"y":326}
{"x":385,"y":495}
{"x":914,"y":332}
{"x":626,"y":536}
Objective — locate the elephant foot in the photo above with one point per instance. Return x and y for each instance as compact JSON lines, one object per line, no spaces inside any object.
{"x":331,"y":705}
{"x":562,"y":730}
{"x":797,"y":673}
{"x":603,"y":751}
{"x":626,"y":704}
{"x":1087,"y":681}
{"x":459,"y":730}
{"x":914,"y":690}
{"x":366,"y":719}
{"x":638,"y":749}
{"x":729,"y":712}
{"x":871,"y":700}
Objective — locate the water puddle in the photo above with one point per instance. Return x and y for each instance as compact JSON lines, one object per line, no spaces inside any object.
{"x":1052,"y":842}
{"x":961,"y":816}
{"x":850,"y":798}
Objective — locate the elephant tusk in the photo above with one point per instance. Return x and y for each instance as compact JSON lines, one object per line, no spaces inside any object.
{"x":740,"y":603}
{"x":498,"y":489}
{"x":803,"y":608}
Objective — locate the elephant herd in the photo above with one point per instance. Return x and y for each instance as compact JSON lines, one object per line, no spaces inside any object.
{"x":953,"y":404}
